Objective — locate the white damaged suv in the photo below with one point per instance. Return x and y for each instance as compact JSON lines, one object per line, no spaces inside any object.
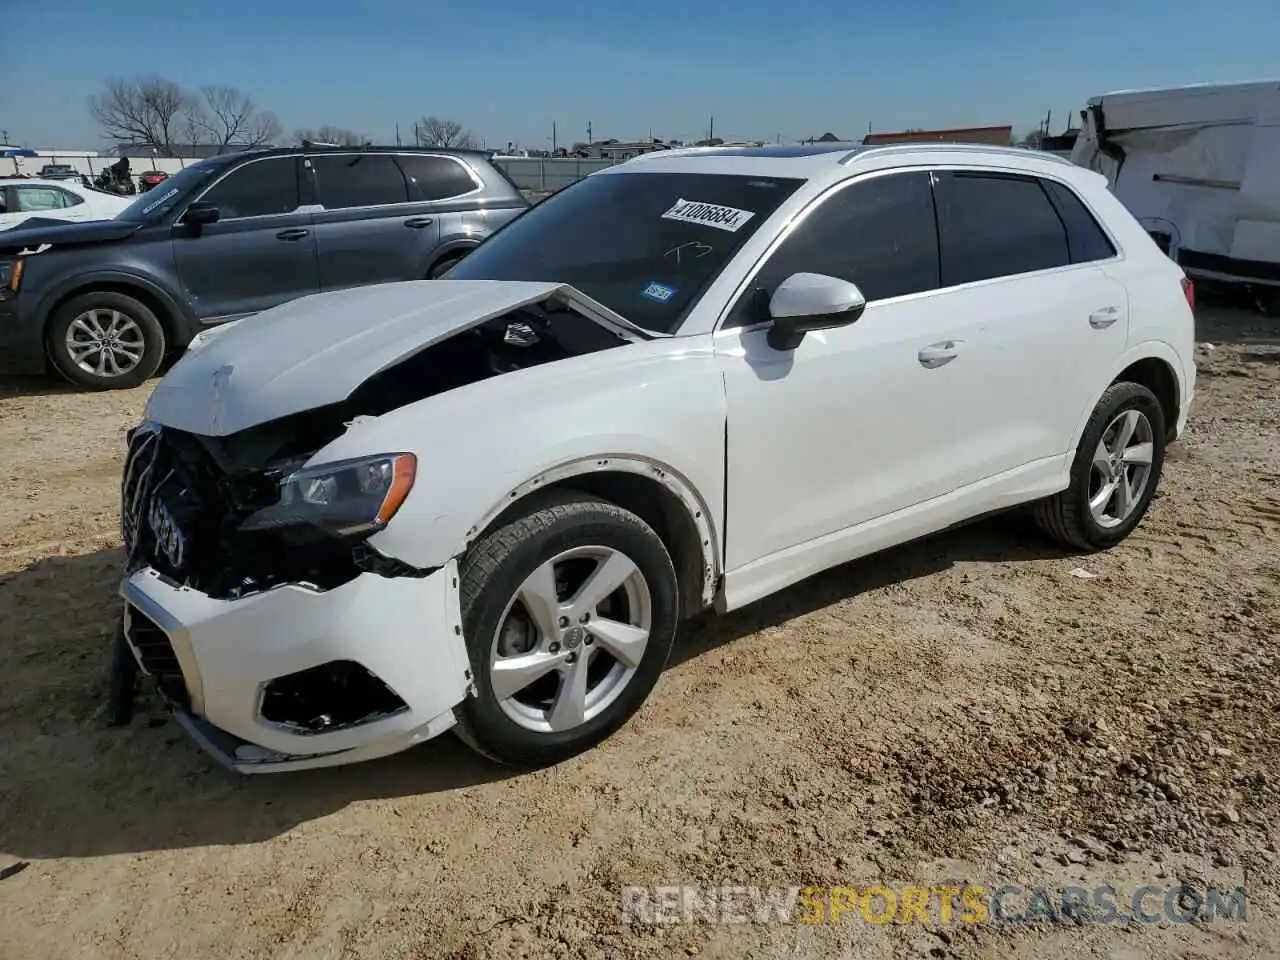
{"x":484,"y":503}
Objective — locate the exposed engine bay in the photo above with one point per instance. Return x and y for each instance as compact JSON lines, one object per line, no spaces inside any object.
{"x":186,"y":498}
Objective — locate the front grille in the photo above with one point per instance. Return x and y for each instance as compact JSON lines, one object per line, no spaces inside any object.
{"x":155,"y":651}
{"x":181,"y":513}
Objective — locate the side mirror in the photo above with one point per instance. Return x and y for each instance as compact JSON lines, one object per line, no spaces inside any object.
{"x":811,"y":301}
{"x":200,"y":213}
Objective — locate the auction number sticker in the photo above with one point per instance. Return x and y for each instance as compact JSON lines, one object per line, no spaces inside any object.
{"x":708,"y":215}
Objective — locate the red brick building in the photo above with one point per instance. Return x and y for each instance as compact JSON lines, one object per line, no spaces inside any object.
{"x":994,"y":136}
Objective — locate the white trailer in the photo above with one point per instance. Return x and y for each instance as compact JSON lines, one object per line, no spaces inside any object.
{"x":1199,"y":166}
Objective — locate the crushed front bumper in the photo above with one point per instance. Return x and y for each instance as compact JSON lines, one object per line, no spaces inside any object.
{"x":216,"y":660}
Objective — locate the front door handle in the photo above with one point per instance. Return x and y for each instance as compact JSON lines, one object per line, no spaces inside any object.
{"x":937,"y":354}
{"x":1101,"y":319}
{"x":297,"y":233}
{"x":417,"y":223}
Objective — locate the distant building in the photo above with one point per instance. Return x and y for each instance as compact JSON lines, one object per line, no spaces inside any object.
{"x":992,"y":136}
{"x":616,"y":149}
{"x":187,"y":151}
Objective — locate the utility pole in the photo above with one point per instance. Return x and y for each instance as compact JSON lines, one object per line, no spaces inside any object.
{"x":589,"y":140}
{"x":711,"y":129}
{"x":398,"y":133}
{"x":553,"y":138}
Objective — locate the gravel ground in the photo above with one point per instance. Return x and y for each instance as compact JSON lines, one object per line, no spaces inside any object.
{"x":963,"y":709}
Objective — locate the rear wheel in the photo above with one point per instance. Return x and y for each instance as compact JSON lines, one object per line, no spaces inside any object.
{"x":1114,"y":476}
{"x":569,"y":613}
{"x":444,"y":266}
{"x":105,"y":341}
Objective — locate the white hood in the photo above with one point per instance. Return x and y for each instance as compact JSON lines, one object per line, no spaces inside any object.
{"x":317,"y":349}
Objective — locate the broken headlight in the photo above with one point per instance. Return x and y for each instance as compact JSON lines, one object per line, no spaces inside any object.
{"x":346,"y":498}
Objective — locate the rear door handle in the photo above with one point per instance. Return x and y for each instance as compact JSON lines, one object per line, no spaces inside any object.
{"x":1101,"y":319}
{"x":937,"y":354}
{"x":417,"y":223}
{"x":295,"y":234}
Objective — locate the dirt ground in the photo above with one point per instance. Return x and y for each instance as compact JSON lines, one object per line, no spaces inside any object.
{"x":965,"y":709}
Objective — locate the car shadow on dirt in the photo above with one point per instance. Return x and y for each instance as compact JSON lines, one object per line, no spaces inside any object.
{"x":1005,"y":538}
{"x":72,"y":787}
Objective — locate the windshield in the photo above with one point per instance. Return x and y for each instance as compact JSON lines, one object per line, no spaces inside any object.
{"x":161,"y":200}
{"x":643,"y":244}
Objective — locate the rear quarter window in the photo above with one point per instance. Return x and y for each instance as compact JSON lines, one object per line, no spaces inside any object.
{"x":1086,"y":240}
{"x":435,"y":178}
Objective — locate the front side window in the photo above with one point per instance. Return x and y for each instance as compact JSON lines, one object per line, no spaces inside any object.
{"x":39,"y":199}
{"x":877,"y":233}
{"x":993,"y":225}
{"x":435,"y":178}
{"x":644,"y":244}
{"x":347,"y":180}
{"x":262,"y":188}
{"x":185,"y":185}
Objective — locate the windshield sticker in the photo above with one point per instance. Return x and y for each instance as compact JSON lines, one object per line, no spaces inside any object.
{"x":656,"y":291}
{"x":708,"y":215}
{"x":168,"y":196}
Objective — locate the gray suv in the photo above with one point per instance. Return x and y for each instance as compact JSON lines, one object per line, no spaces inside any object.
{"x":103,"y":302}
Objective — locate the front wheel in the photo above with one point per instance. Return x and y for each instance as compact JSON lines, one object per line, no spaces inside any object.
{"x":1114,"y":476}
{"x":105,"y":341}
{"x":569,"y":614}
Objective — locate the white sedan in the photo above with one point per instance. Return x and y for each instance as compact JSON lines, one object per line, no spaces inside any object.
{"x":22,"y":200}
{"x":484,"y":503}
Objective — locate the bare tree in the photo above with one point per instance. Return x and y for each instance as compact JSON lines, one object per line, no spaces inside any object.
{"x":224,"y":116}
{"x":146,"y":111}
{"x":436,"y":132}
{"x":328,"y":134}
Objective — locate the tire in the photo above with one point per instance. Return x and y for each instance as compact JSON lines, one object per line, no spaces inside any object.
{"x":1068,"y":516}
{"x":444,"y":266}
{"x":122,"y":678}
{"x":137,"y":328}
{"x":503,"y":728}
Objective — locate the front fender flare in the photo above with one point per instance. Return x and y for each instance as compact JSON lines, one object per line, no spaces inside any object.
{"x":675,"y":482}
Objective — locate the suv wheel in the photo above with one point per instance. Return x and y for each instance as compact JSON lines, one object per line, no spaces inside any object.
{"x":569,"y":613}
{"x":105,"y":341}
{"x":1115,"y":472}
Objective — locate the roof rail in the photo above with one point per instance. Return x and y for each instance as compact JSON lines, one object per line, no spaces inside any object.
{"x":945,"y":147}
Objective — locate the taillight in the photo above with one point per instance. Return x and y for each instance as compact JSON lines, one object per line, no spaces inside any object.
{"x":1189,"y":291}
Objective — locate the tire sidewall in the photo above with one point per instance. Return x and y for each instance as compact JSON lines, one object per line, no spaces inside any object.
{"x":497,"y":732}
{"x":152,"y":332}
{"x":1124,"y":396}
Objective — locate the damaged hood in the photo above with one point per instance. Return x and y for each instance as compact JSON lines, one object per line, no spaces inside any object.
{"x":316,"y":350}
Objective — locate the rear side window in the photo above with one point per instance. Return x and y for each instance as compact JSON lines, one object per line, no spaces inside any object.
{"x":878,"y":233}
{"x":435,"y":178}
{"x":259,"y":189}
{"x":1085,"y":239}
{"x":359,"y":181}
{"x":996,"y":226}
{"x":36,"y":199}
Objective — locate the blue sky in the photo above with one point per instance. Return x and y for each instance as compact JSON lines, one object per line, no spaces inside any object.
{"x":508,"y":68}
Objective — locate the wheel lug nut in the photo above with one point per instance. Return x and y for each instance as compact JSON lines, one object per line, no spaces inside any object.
{"x":584,"y":618}
{"x":554,"y":648}
{"x":571,"y":658}
{"x":588,"y":640}
{"x":564,"y":621}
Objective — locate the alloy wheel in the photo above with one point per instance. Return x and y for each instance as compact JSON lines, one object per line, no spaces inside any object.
{"x":570,"y":639}
{"x":105,"y":343}
{"x":1121,"y":468}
